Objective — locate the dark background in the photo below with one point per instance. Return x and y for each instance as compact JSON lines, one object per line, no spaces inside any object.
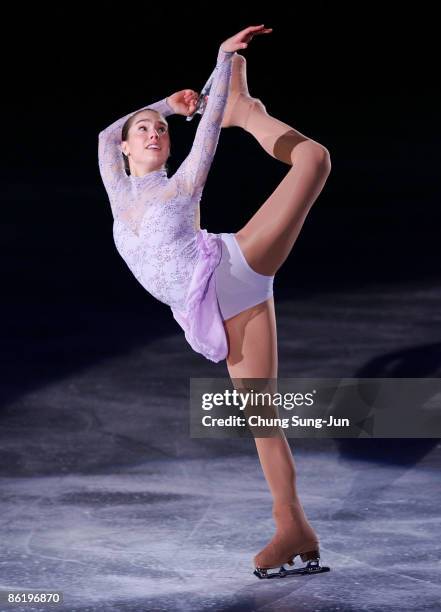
{"x":361,"y":81}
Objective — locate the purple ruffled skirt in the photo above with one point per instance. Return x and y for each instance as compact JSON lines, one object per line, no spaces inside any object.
{"x":202,"y":320}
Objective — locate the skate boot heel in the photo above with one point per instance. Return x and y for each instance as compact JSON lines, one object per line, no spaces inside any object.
{"x":311,"y":555}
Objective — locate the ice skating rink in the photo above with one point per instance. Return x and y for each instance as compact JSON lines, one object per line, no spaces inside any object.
{"x":106,"y":498}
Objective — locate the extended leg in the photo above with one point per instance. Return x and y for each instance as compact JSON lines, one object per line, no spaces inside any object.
{"x":242,"y":110}
{"x":267,"y":239}
{"x":269,"y":236}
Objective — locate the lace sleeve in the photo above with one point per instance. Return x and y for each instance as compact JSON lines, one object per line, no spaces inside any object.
{"x":110,"y":160}
{"x":192,"y":173}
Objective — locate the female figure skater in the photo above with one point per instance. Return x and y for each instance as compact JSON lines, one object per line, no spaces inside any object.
{"x":219,"y":286}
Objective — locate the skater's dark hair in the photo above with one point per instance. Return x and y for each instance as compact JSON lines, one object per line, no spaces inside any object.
{"x":125,"y":133}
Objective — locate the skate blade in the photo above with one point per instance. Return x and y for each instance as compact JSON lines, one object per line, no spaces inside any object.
{"x":312,"y":567}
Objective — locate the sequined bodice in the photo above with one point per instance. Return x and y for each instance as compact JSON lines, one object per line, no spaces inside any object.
{"x":161,"y":250}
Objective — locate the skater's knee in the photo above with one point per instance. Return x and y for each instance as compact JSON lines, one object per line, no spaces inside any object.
{"x":316,"y":152}
{"x":324,"y":157}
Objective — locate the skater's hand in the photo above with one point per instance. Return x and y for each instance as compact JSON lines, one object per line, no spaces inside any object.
{"x":183,"y":102}
{"x":241,"y":40}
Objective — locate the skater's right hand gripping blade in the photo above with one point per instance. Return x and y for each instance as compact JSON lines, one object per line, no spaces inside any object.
{"x":202,"y":100}
{"x":312,"y":567}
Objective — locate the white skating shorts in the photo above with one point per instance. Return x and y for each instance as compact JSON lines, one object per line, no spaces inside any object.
{"x":238,"y":286}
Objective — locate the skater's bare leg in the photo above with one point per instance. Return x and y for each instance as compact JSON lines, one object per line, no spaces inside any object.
{"x":252,"y":338}
{"x":266,"y":240}
{"x":268,"y":237}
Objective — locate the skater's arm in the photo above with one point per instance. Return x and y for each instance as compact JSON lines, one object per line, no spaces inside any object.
{"x":110,"y":159}
{"x":192,"y":173}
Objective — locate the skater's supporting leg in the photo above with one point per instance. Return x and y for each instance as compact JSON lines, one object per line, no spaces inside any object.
{"x":253,"y":354}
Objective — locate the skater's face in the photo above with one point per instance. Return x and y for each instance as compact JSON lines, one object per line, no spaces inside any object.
{"x":148,"y":143}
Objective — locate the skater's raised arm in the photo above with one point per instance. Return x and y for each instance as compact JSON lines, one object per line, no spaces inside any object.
{"x":193,"y":172}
